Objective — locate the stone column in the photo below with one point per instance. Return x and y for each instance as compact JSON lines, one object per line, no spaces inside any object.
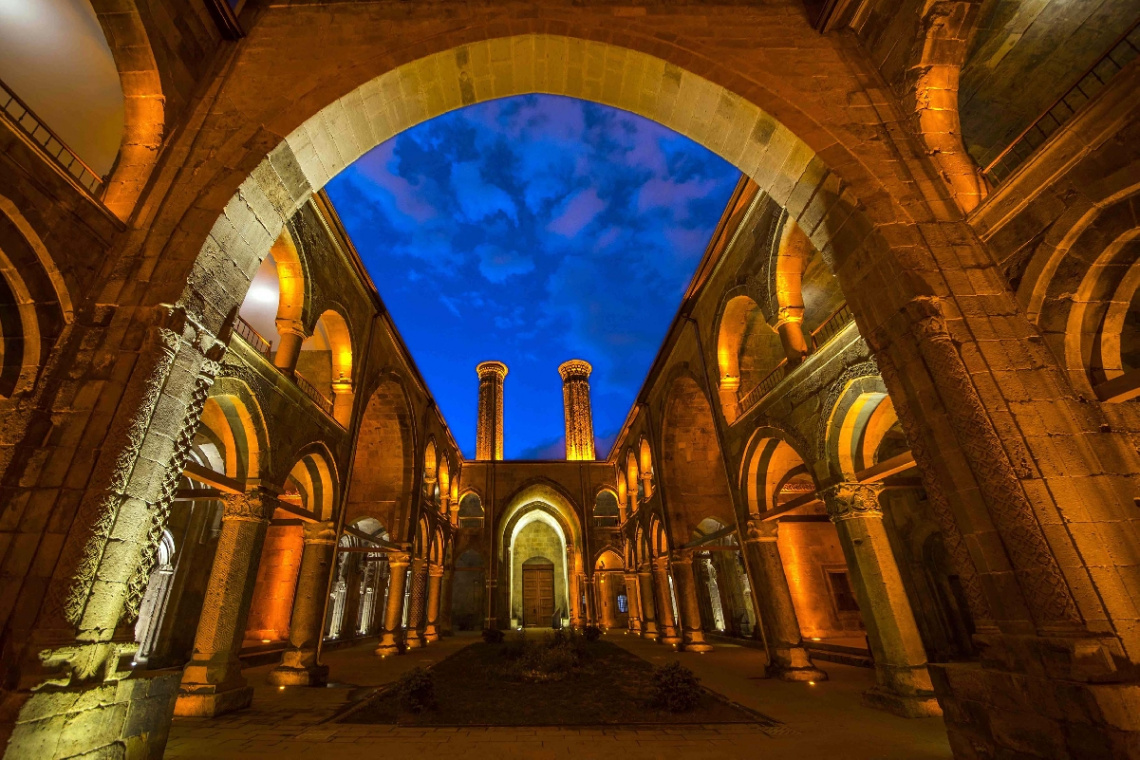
{"x":445,"y":603}
{"x":212,"y":682}
{"x":633,"y":600}
{"x":789,"y":659}
{"x":417,"y":604}
{"x":904,"y":686}
{"x":647,"y":603}
{"x":790,"y":327}
{"x":694,"y":633}
{"x":292,"y":334}
{"x":576,"y":406}
{"x":342,"y":402}
{"x":591,"y":602}
{"x":353,"y":578}
{"x":435,"y":585}
{"x":489,"y":428}
{"x":299,"y":666}
{"x":667,"y":621}
{"x":394,"y":607}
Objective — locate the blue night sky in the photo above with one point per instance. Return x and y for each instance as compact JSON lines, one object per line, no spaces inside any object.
{"x":533,"y":230}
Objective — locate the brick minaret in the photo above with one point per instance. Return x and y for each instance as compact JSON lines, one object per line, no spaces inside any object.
{"x":576,"y":403}
{"x":489,"y":433}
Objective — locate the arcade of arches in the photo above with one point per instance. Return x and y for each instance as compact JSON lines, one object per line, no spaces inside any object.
{"x":893,"y":423}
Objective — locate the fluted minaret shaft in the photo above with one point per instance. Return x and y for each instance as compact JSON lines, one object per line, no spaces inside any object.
{"x":489,"y":432}
{"x":576,"y":403}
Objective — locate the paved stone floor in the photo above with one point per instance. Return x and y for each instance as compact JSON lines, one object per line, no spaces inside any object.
{"x":825,"y":720}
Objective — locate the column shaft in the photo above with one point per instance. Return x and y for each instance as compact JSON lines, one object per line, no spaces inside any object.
{"x":666,"y":619}
{"x":694,"y":631}
{"x":904,"y":686}
{"x":394,"y":608}
{"x":417,"y":604}
{"x":212,"y":682}
{"x":299,"y":665}
{"x":789,"y":659}
{"x":648,"y":605}
{"x":435,"y":585}
{"x":633,"y":602}
{"x":289,"y":349}
{"x":445,"y":603}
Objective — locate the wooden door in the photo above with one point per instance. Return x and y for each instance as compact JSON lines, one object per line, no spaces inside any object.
{"x":538,"y":596}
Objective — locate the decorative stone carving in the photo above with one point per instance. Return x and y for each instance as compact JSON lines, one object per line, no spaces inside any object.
{"x":847,"y":501}
{"x":1046,"y":590}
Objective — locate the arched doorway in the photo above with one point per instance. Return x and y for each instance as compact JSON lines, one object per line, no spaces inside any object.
{"x":539,"y":578}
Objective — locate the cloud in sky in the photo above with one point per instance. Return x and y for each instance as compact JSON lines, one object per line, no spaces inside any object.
{"x":533,"y":230}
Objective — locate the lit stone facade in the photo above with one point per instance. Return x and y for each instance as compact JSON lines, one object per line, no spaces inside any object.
{"x":895,"y":403}
{"x":576,"y":408}
{"x":489,"y":427}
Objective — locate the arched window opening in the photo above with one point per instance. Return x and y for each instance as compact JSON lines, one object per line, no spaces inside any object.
{"x":471,"y":512}
{"x":324,"y":366}
{"x":749,"y":353}
{"x":154,"y":600}
{"x":606,"y":514}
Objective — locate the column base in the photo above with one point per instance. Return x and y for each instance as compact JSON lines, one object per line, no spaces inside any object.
{"x":431,"y":634}
{"x":415,"y":640}
{"x":903,"y":705}
{"x":312,"y":675}
{"x":649,"y":634}
{"x":794,"y":664}
{"x":672,"y":641}
{"x":695,"y":642}
{"x":204,"y":701}
{"x":388,"y":645}
{"x":92,"y":721}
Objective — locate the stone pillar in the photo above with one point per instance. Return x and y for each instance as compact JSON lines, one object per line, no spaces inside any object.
{"x":694,"y":632}
{"x":435,"y":585}
{"x":666,"y":620}
{"x":633,"y":600}
{"x":417,"y":604}
{"x":591,"y":602}
{"x":394,"y":607}
{"x":790,"y":326}
{"x":576,"y":406}
{"x":648,"y":605}
{"x":292,"y":334}
{"x":445,"y":603}
{"x":789,"y":659}
{"x":212,"y":682}
{"x":299,"y":666}
{"x":904,"y":685}
{"x":353,"y":577}
{"x":489,"y":430}
{"x":343,"y":396}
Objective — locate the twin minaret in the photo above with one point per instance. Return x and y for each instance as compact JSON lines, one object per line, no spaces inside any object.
{"x":575,"y":401}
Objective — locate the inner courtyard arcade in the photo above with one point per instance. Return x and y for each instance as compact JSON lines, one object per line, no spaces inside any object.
{"x":891,"y":425}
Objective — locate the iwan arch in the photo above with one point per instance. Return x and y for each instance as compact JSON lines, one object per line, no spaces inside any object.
{"x":1026,"y":483}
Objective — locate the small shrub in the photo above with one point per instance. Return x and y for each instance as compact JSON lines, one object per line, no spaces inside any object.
{"x":514,"y":648}
{"x":592,"y":633}
{"x":492,"y":636}
{"x":416,"y":691}
{"x":675,"y":688}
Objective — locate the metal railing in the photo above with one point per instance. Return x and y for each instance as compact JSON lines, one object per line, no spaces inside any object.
{"x":821,"y":335}
{"x":1122,"y":52}
{"x":23,"y":118}
{"x":831,"y":326}
{"x":317,"y":397}
{"x":251,"y":336}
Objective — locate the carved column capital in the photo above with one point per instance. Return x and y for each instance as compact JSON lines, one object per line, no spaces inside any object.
{"x":249,"y":506}
{"x":399,"y":559}
{"x":848,"y":501}
{"x":323,"y":532}
{"x":683,"y":556}
{"x":291,"y":327}
{"x":435,"y":571}
{"x":761,"y":532}
{"x":661,"y":563}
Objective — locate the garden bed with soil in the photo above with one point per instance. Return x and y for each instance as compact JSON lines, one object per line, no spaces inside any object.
{"x":492,"y":685}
